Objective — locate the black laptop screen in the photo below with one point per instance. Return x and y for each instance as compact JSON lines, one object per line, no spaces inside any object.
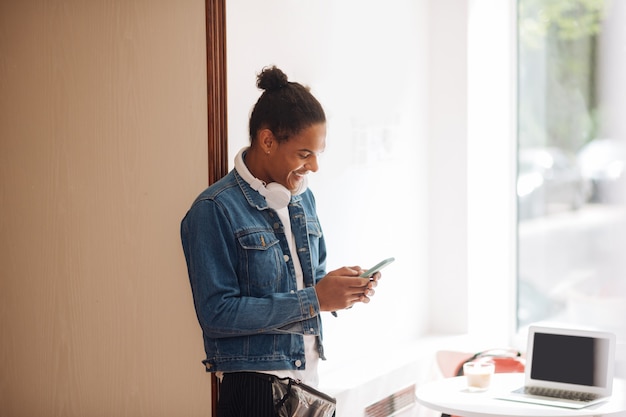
{"x":569,"y":359}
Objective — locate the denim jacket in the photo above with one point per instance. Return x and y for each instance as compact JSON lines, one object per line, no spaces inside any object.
{"x":243,"y":280}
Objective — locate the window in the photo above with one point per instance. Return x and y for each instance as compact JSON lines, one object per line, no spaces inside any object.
{"x":571,"y":177}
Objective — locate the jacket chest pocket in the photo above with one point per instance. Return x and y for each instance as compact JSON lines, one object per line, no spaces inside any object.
{"x":261,"y":267}
{"x":314,"y":233}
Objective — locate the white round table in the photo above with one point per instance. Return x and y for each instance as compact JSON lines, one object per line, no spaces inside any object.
{"x":451,"y":396}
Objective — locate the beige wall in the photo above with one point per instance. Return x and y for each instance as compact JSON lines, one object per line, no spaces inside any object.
{"x":102,"y":149}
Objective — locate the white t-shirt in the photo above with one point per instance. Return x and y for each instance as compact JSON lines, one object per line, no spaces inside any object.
{"x":309,"y":375}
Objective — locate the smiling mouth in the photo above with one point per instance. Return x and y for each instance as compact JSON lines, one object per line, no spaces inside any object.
{"x":297,"y":180}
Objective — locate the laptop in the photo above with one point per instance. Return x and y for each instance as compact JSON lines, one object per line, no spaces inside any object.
{"x":571,"y":368}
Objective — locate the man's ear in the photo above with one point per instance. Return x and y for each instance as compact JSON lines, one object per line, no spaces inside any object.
{"x":266,"y":140}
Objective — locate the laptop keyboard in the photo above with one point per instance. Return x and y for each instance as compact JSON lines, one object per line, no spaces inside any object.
{"x":554,"y":393}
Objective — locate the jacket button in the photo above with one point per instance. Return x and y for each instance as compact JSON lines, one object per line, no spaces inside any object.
{"x":298,"y":363}
{"x":286,"y":258}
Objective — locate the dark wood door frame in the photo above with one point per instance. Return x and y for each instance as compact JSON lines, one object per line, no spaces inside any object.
{"x":217,"y":116}
{"x":216,"y":88}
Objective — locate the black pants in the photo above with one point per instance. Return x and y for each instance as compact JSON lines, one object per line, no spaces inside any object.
{"x":245,"y":395}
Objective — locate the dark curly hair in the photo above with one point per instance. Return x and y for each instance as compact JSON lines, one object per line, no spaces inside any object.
{"x":285,"y":108}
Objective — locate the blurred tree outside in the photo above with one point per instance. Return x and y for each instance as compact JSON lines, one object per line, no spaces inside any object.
{"x":557,"y":62}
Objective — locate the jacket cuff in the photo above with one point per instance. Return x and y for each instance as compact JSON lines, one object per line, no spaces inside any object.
{"x":309,"y":304}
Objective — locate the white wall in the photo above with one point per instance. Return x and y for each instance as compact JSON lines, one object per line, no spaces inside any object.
{"x":447,"y":194}
{"x":491,"y":177}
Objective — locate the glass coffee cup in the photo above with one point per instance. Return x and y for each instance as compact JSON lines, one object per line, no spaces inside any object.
{"x":478,"y":375}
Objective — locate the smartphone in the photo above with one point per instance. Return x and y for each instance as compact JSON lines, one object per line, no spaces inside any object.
{"x":377,"y":267}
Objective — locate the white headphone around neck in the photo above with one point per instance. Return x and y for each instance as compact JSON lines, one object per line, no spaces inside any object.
{"x":276,"y":195}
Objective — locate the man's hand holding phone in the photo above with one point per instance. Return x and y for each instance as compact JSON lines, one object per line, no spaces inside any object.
{"x":344,"y":287}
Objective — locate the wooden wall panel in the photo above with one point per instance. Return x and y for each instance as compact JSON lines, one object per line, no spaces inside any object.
{"x":103,"y":127}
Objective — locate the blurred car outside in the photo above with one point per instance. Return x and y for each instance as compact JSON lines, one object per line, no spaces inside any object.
{"x":603,"y":163}
{"x":549,"y":180}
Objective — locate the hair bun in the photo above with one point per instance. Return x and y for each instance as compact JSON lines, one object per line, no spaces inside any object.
{"x":271,"y":78}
